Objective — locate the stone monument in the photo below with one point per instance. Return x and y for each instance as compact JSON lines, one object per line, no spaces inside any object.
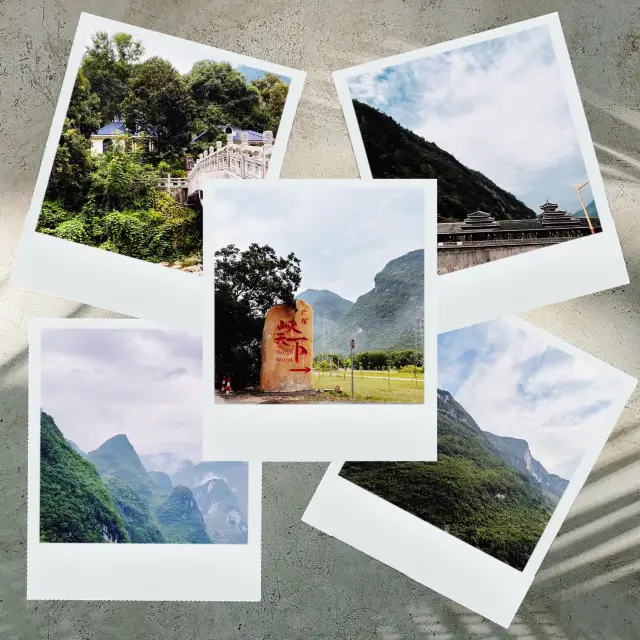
{"x":287,"y":348}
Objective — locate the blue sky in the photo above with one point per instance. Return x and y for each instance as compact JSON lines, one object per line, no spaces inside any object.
{"x":145,"y":383}
{"x":344,"y":236}
{"x":498,"y":106}
{"x":514,"y":383}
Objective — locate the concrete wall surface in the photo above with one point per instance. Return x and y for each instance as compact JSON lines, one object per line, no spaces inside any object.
{"x":315,"y":586}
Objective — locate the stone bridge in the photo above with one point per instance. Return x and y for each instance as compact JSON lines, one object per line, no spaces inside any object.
{"x":229,"y":162}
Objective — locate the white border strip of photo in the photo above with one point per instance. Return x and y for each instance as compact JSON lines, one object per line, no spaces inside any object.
{"x":324,"y":431}
{"x":529,"y":280}
{"x":151,"y":572}
{"x":57,"y":267}
{"x":434,"y":558}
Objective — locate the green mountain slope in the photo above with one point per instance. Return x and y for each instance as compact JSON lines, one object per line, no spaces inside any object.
{"x":391,"y":314}
{"x":180,"y":520}
{"x":326,"y":302}
{"x":396,"y":152}
{"x":138,"y":520}
{"x":470,"y":492}
{"x":75,"y":506}
{"x":117,"y":457}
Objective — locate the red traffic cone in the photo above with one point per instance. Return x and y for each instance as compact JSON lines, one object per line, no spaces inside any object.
{"x":223,"y":387}
{"x":228,"y":385}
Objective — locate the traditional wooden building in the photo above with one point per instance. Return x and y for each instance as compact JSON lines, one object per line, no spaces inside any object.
{"x":481,"y":238}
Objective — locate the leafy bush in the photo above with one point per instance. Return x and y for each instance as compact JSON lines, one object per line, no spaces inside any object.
{"x":72,"y":230}
{"x":52,"y":214}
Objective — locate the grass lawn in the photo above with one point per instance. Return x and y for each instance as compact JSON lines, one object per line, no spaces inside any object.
{"x":372,"y":389}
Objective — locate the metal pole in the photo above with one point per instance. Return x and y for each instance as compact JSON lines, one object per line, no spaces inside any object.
{"x":353,"y":390}
{"x":578,"y":187}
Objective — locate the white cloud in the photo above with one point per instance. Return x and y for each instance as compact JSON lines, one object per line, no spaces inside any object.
{"x":343,"y":236}
{"x":97,"y":383}
{"x":555,"y":403}
{"x":499,"y":107}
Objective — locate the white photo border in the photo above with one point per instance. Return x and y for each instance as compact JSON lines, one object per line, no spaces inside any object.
{"x":142,"y":572}
{"x":324,"y":431}
{"x":133,"y":287}
{"x":536,"y":278}
{"x":437,"y":559}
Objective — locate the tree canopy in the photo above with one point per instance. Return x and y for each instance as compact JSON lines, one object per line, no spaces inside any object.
{"x":159,"y":103}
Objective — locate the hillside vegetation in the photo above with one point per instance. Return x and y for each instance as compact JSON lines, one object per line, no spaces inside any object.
{"x":470,"y":491}
{"x":107,"y":495}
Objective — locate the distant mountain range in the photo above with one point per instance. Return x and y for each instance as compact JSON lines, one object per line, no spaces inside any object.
{"x":396,"y":152}
{"x":486,"y":490}
{"x":251,"y":74}
{"x":107,"y":495}
{"x":389,"y":317}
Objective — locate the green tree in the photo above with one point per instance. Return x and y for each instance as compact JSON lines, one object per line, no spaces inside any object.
{"x":159,"y":103}
{"x":273,"y":92}
{"x":108,"y":64}
{"x":72,"y":166}
{"x":219,"y":84}
{"x":247,"y":284}
{"x":84,"y":107}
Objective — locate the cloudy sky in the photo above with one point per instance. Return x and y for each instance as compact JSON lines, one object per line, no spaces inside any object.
{"x":181,"y":57}
{"x":498,"y":106}
{"x":145,"y":383}
{"x":513,"y":383}
{"x":343,"y":236}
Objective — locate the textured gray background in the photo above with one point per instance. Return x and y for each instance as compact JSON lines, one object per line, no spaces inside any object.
{"x":315,"y":586}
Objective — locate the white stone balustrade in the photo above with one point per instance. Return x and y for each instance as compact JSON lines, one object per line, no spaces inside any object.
{"x":232,"y":161}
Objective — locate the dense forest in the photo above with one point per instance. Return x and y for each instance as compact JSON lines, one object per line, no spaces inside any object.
{"x":107,"y":495}
{"x":111,"y":200}
{"x":396,"y":152}
{"x":475,"y":491}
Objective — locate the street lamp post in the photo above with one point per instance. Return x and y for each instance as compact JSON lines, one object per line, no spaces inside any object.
{"x":353,"y":391}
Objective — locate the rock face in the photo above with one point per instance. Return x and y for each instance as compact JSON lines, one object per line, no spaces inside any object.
{"x":287,"y":348}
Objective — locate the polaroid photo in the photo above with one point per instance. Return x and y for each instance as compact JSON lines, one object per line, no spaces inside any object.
{"x":143,"y":119}
{"x":522,"y":417}
{"x":320,"y":320}
{"x":122,"y":505}
{"x":496,"y":118}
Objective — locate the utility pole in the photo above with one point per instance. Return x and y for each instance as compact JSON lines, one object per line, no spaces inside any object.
{"x":353,"y":389}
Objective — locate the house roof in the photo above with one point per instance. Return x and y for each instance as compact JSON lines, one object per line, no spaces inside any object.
{"x":112,"y":129}
{"x":253,"y":136}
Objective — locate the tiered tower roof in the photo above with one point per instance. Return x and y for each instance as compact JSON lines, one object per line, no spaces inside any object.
{"x":479,"y":220}
{"x":551,"y":215}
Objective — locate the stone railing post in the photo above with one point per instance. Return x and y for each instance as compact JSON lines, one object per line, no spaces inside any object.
{"x":244,"y":149}
{"x":218,"y":154}
{"x":267,"y":139}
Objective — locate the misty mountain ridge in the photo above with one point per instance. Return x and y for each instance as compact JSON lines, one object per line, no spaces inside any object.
{"x":136,"y":505}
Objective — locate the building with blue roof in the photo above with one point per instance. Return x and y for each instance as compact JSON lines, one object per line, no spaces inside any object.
{"x":115,"y":133}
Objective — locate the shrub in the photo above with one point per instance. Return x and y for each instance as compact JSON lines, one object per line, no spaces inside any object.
{"x":72,"y":230}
